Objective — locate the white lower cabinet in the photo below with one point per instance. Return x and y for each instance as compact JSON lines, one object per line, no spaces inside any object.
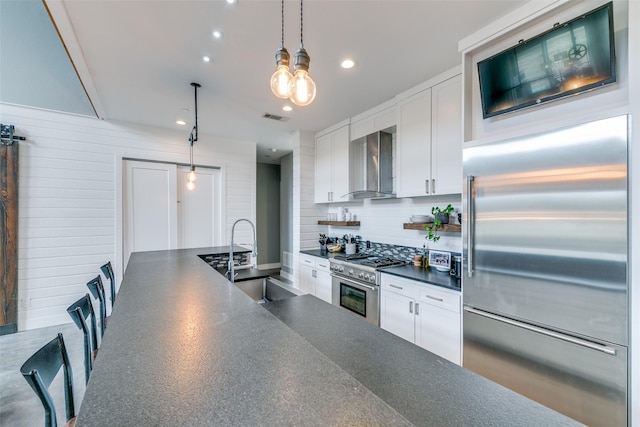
{"x":428,"y":316}
{"x":315,"y":277}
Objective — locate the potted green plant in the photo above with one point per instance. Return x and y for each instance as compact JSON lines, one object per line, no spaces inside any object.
{"x":440,"y":216}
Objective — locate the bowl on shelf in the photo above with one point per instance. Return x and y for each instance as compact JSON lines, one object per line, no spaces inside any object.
{"x":421,"y":219}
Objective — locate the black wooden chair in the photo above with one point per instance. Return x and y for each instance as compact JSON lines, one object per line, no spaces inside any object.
{"x":97,"y":290}
{"x":80,"y":311}
{"x":40,"y":370}
{"x":107,"y":270}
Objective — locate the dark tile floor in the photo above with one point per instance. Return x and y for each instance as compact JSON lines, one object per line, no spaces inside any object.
{"x":19,"y":405}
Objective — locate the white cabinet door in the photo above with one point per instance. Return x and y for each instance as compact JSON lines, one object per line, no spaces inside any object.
{"x":332,"y":166}
{"x":396,"y":314}
{"x":340,"y":174}
{"x":446,"y":137}
{"x":438,"y":330}
{"x":324,"y":159}
{"x":307,"y":279}
{"x":438,"y":323}
{"x":414,"y":146}
{"x":323,"y":285}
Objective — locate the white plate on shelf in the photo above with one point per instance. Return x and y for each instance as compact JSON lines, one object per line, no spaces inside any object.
{"x":421,"y":219}
{"x":441,"y":269}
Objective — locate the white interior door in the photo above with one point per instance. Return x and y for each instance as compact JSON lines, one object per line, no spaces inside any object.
{"x":151,"y":212}
{"x":199,"y":210}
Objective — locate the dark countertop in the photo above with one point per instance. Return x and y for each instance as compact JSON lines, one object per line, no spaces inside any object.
{"x":426,"y":389}
{"x":186,"y":347}
{"x":429,"y":275}
{"x":425,"y":275}
{"x":321,"y":254}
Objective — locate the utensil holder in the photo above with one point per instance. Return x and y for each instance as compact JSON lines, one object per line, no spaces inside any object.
{"x":350,"y":248}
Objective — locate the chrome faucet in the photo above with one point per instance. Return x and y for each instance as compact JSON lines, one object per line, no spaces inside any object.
{"x":231,"y":265}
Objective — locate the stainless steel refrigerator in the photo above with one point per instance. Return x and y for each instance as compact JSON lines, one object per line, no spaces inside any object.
{"x":545,"y":268}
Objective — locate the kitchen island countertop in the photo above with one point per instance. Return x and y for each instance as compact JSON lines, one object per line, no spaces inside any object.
{"x":186,"y":347}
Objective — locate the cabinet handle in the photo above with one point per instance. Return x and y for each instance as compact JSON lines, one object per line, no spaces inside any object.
{"x":435,"y":298}
{"x":411,"y":307}
{"x":397,"y":287}
{"x":313,"y":273}
{"x":433,"y":185}
{"x":426,"y":186}
{"x":417,"y":309}
{"x":470,"y":223}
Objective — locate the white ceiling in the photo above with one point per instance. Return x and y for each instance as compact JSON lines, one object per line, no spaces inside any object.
{"x":138,"y":58}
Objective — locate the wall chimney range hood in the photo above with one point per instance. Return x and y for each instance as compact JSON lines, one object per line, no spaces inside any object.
{"x":371,"y":166}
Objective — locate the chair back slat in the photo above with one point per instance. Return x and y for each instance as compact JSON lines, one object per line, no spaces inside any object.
{"x":107,"y":270}
{"x":80,"y":311}
{"x":97,"y":290}
{"x":41,"y":368}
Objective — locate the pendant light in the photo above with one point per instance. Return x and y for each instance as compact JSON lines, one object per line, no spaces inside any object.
{"x":302,"y":89}
{"x":192,"y":177}
{"x":281,"y":78}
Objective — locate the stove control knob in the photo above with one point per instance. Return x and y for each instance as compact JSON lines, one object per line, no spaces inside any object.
{"x":367,"y":278}
{"x":350,"y":272}
{"x":341,"y":269}
{"x":361,"y":275}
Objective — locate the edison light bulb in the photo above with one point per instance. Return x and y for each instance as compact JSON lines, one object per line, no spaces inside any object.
{"x":192,"y":176}
{"x":302,"y":89}
{"x":191,"y":185}
{"x":280,"y":82}
{"x":281,"y":78}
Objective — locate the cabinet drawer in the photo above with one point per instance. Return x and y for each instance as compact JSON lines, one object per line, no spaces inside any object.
{"x":322,"y":264}
{"x":399,"y":285}
{"x":440,"y":298}
{"x":308,"y":260}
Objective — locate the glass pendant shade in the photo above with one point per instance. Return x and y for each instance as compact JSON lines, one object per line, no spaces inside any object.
{"x":191,"y":185}
{"x":280,"y":81}
{"x":302,"y":88}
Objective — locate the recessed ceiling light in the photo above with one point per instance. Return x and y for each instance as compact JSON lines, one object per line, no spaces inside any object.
{"x":181,"y":122}
{"x":232,"y":1}
{"x":217,"y":34}
{"x":348,"y":63}
{"x":287,"y":108}
{"x":206,"y":59}
{"x":273,"y":150}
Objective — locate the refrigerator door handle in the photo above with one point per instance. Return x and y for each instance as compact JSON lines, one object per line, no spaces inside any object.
{"x":470,"y":223}
{"x":603,"y":348}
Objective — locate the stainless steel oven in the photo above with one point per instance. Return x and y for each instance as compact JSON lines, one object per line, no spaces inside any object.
{"x":357,"y":297}
{"x":355,"y":281}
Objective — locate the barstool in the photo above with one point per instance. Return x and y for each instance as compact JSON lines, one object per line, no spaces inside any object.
{"x":97,"y":290}
{"x":39,"y":371}
{"x":107,"y":270}
{"x":80,"y":311}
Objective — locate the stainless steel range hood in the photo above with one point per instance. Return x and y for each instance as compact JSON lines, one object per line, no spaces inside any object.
{"x":371,"y":166}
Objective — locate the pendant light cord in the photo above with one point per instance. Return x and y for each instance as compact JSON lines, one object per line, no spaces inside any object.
{"x":301,"y":44}
{"x":282,"y":24}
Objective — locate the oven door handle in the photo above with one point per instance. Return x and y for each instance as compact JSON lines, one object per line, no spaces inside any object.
{"x":357,"y":284}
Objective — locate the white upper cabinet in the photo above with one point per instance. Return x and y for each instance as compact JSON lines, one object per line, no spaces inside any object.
{"x":429,"y":144}
{"x":332,"y":165}
{"x":446,"y":137}
{"x":413,"y":174}
{"x":380,"y":118}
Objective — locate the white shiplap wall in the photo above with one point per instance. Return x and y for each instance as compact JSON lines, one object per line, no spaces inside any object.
{"x":69,"y":190}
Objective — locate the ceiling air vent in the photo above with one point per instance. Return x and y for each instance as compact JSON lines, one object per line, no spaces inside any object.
{"x":275,"y":117}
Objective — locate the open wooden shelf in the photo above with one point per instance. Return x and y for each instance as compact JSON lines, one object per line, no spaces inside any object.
{"x":453,"y":228}
{"x":340,"y":223}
